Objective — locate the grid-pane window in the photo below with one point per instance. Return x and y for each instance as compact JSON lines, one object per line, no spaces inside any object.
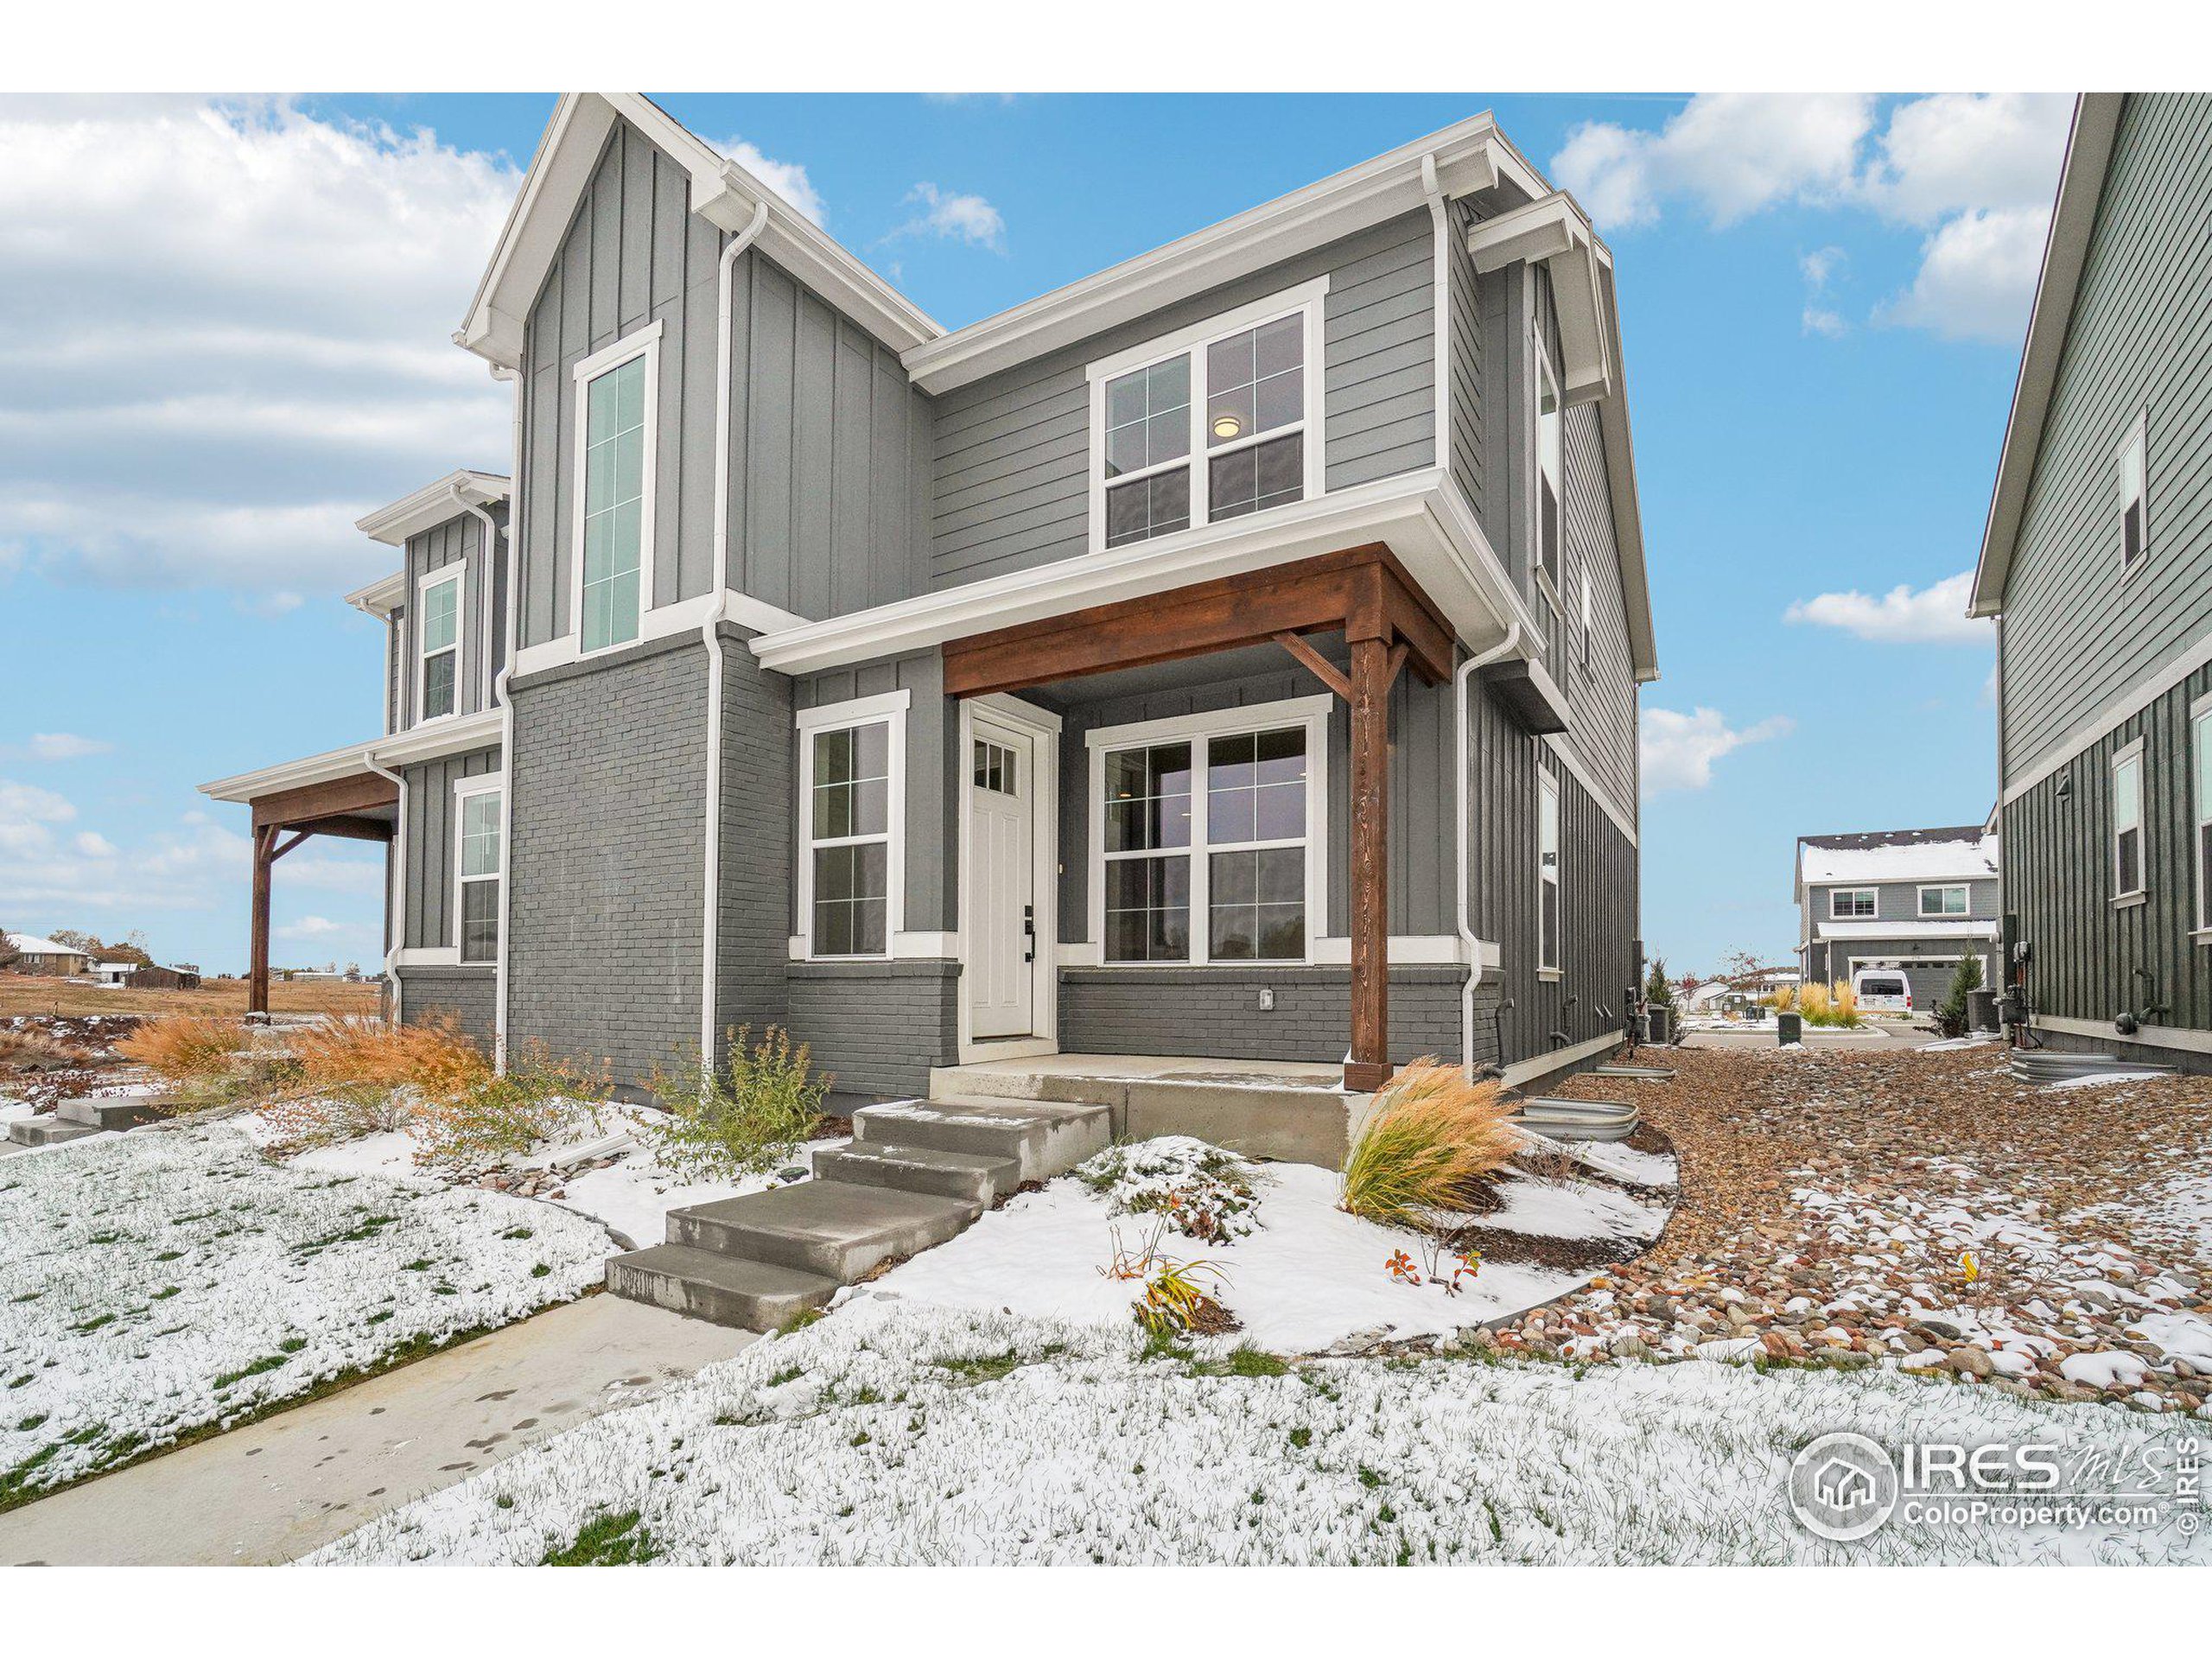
{"x":1852,"y":904}
{"x":1551,"y":459}
{"x":1254,"y":479}
{"x":1147,"y":837}
{"x":441,"y":627}
{"x":1548,"y":917}
{"x":614,"y":504}
{"x":2127,"y":824}
{"x":2200,"y":749}
{"x":479,"y":870}
{"x":1255,"y":896}
{"x":1255,"y":381}
{"x":849,"y":835}
{"x":2134,"y":532}
{"x":1944,"y":901}
{"x":997,"y":768}
{"x":1148,"y":443}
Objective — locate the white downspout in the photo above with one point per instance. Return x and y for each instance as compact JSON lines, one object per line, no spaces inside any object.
{"x":710,"y":633}
{"x":498,"y":689}
{"x":398,"y":902}
{"x":1432,"y":188}
{"x":1462,"y":682}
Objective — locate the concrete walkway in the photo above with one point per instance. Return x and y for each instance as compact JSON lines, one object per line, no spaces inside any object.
{"x":279,"y":1488}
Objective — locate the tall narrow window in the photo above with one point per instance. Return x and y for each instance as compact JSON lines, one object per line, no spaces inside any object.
{"x":1548,"y":919}
{"x":849,"y":839}
{"x":1147,"y":850}
{"x":1551,"y":469}
{"x":441,"y":645}
{"x":2127,"y":879}
{"x":478,"y":867}
{"x":2135,"y":529}
{"x":1255,"y":803}
{"x":1585,"y":616}
{"x":615,"y":397}
{"x":2200,"y":750}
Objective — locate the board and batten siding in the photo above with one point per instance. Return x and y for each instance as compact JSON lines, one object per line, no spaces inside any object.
{"x":828,"y":442}
{"x":430,"y":833}
{"x":2079,"y":631}
{"x":1011,"y":484}
{"x":459,"y":540}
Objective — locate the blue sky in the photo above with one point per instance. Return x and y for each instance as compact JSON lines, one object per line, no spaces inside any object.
{"x":232,"y":340}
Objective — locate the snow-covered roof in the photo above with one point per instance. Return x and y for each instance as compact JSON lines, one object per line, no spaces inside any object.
{"x":31,"y":945}
{"x":1959,"y":853}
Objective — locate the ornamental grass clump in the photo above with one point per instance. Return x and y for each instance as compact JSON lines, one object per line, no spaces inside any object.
{"x":1430,"y":1140}
{"x":204,"y":1060}
{"x":742,"y":1117}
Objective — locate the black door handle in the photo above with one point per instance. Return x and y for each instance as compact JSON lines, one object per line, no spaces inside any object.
{"x":1029,"y":933}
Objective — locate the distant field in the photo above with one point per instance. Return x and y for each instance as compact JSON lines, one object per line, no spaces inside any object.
{"x":25,"y":994}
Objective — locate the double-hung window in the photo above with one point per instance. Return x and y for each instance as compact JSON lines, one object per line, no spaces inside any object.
{"x":1551,"y":471}
{"x":617,"y":391}
{"x":2200,"y":767}
{"x":1852,"y":904}
{"x":2127,"y":877}
{"x":1548,"y":913}
{"x":438,"y":630}
{"x":1208,"y":837}
{"x":851,"y":766}
{"x":478,"y":867}
{"x":2134,"y":502}
{"x":1946,"y":900}
{"x":1218,"y":423}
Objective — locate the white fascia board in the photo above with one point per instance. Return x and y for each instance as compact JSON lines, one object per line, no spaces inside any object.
{"x":381,"y":597}
{"x":1628,"y":511}
{"x":1964,"y":928}
{"x":2066,"y":249}
{"x":721,"y":192}
{"x":432,"y":505}
{"x":1469,"y":157}
{"x":1419,"y":515}
{"x":456,"y":736}
{"x":1552,"y":232}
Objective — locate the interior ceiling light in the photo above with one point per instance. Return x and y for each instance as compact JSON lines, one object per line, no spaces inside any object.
{"x":1226,"y":426}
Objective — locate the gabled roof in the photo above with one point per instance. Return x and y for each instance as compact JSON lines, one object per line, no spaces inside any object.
{"x":2081,"y":187}
{"x":721,"y":191}
{"x":432,"y":505}
{"x":1965,"y":852}
{"x":31,"y":945}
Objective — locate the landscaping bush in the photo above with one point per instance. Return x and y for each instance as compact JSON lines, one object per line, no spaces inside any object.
{"x":1202,"y":1192}
{"x":742,"y":1117}
{"x":1951,"y":1011}
{"x":1821,"y":1004}
{"x":1431,"y":1136}
{"x":205,"y":1060}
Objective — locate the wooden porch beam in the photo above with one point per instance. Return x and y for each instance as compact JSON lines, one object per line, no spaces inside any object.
{"x":340,"y":797}
{"x":349,"y":828}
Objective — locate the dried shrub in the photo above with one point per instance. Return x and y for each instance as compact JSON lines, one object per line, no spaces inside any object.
{"x":31,"y":1048}
{"x":206,"y":1060}
{"x":1430,"y":1139}
{"x":742,"y":1117}
{"x":471,"y":1120}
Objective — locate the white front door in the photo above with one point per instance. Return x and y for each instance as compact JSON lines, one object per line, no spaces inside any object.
{"x":1002,"y":906}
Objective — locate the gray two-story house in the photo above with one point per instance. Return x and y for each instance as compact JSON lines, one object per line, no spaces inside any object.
{"x":1233,"y":654}
{"x":1916,"y":901}
{"x":2097,"y":564}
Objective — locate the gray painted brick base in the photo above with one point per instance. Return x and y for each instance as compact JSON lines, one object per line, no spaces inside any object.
{"x":1215,"y":1013}
{"x":467,"y":996}
{"x":878,"y":1026}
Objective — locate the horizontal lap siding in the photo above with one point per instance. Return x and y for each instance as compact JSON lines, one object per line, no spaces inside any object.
{"x":1463,"y":362}
{"x":1010,"y":482}
{"x":1900,"y":901}
{"x":2077,"y":632}
{"x":1601,"y":693}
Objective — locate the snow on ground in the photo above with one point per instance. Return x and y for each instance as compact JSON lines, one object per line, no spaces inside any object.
{"x":2098,"y":1080}
{"x":1626,"y":1163}
{"x":896,"y":1433}
{"x":171,"y":1279}
{"x":1309,"y":1277}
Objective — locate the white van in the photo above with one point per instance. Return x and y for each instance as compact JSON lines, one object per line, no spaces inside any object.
{"x":1883,"y":990}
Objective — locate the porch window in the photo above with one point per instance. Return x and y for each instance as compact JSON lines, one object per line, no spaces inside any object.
{"x":479,"y":869}
{"x":2127,"y":822}
{"x":440,"y":645}
{"x":1212,"y":424}
{"x":1149,"y":834}
{"x":2200,"y":750}
{"x":2134,"y":529}
{"x":1944,"y":901}
{"x":616,"y":388}
{"x":851,"y":841}
{"x":1548,"y":917}
{"x":1852,"y":904}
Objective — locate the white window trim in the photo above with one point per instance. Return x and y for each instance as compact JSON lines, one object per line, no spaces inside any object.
{"x":423,"y":583}
{"x":1306,"y":297}
{"x":2137,"y":438}
{"x":2137,"y":894}
{"x":644,"y":343}
{"x":2199,"y":712}
{"x":889,"y":708}
{"x":1313,"y":713}
{"x":1548,"y":790}
{"x":1836,"y":914}
{"x":483,"y":784}
{"x":1546,"y":580}
{"x":1584,"y":565}
{"x":1920,"y":903}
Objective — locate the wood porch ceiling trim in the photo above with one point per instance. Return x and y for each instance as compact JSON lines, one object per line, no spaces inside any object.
{"x":1364,"y":591}
{"x":340,"y":807}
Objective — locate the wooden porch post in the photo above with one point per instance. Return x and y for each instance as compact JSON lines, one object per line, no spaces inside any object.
{"x":1370,"y":1066}
{"x":256,"y":984}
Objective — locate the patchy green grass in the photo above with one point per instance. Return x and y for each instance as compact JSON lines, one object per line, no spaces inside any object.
{"x":606,"y":1541}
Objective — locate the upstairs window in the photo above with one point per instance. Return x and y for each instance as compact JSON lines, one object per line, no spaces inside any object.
{"x":615,"y":389}
{"x":439,"y":609}
{"x":1947,"y":900}
{"x":1585,"y":616}
{"x":2127,"y":822}
{"x":2134,"y":525}
{"x":1551,"y":472}
{"x":478,"y":867}
{"x":1213,"y":424}
{"x":1548,"y":919}
{"x":1851,"y":904}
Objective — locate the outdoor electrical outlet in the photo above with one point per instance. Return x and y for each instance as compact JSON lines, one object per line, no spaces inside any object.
{"x":1266,"y":998}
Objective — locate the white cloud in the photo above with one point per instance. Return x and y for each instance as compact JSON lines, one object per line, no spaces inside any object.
{"x":1819,"y":268}
{"x":1678,"y":750}
{"x":1732,"y":153}
{"x":1977,"y":278}
{"x":1935,"y":615}
{"x":56,"y":745}
{"x":953,"y":216}
{"x":787,"y":179}
{"x":322,"y":927}
{"x":1956,"y":151}
{"x":225,"y":338}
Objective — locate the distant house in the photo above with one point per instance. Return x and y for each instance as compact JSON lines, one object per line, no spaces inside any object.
{"x":155,"y":977}
{"x":113,"y":973}
{"x":1713,"y":994}
{"x":37,"y":955}
{"x":1914,"y":899}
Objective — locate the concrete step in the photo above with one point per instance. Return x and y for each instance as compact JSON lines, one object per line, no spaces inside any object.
{"x":978,"y":1178}
{"x":1047,"y":1138}
{"x":822,"y":1227}
{"x":47,"y":1131}
{"x":751,"y":1295}
{"x":107,"y":1111}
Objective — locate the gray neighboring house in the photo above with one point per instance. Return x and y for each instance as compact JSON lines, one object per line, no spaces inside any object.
{"x":2097,"y":564}
{"x":1914,"y":899}
{"x":1232,"y":654}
